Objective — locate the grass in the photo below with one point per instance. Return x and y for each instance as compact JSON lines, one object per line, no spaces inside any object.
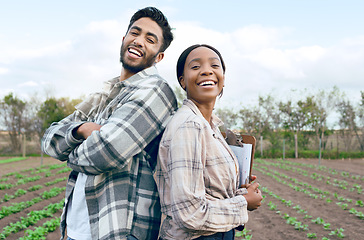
{"x":16,"y":159}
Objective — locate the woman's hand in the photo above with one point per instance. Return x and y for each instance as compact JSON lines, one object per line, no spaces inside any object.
{"x":254,"y":196}
{"x":252,"y":178}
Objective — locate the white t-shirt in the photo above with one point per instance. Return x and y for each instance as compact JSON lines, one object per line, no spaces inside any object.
{"x":78,"y":224}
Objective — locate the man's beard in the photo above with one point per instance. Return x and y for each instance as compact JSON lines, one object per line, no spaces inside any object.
{"x":146,"y":63}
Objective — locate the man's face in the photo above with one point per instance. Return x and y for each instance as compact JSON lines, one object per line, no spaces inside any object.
{"x":141,"y":45}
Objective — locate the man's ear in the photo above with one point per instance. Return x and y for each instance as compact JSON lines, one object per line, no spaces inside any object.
{"x":122,"y":41}
{"x":182,"y":82}
{"x":159,"y":57}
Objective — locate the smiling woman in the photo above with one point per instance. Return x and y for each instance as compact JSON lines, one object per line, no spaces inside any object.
{"x":197,"y":172}
{"x":203,"y":76}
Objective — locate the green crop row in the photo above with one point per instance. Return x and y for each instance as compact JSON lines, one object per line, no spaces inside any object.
{"x":23,"y":180}
{"x":17,"y":207}
{"x":37,"y":169}
{"x":321,"y":168}
{"x":298,"y":225}
{"x":343,"y":184}
{"x":12,"y":160}
{"x":323,"y":194}
{"x":32,"y":218}
{"x":42,"y":231}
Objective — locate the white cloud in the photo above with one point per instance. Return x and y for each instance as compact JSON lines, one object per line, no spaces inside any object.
{"x":3,"y":70}
{"x":11,"y":54}
{"x":28,"y":84}
{"x":253,"y":38}
{"x":259,"y":60}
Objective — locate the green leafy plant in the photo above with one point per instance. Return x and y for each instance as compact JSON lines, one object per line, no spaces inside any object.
{"x":339,"y":232}
{"x":311,"y":235}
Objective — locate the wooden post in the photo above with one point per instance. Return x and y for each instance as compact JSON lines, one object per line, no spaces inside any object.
{"x":320,"y":152}
{"x":261,"y":146}
{"x":296,"y":145}
{"x":24,"y":145}
{"x":337,"y":145}
{"x":284,"y":153}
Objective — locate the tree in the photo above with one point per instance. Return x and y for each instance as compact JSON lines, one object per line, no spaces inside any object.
{"x":252,"y":123}
{"x":271,"y":121}
{"x":227,"y":116}
{"x":54,"y":110}
{"x":359,"y":132}
{"x":13,"y":118}
{"x":346,"y":122}
{"x":323,"y":103}
{"x":295,"y":117}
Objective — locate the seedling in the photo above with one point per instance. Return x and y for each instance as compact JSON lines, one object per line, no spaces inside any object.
{"x":311,"y":235}
{"x":272,"y":206}
{"x":339,"y":232}
{"x":318,"y":221}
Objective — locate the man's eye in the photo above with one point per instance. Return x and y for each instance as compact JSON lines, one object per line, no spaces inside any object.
{"x":150,"y":40}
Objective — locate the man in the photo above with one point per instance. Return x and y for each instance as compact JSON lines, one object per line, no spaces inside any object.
{"x":111,"y":142}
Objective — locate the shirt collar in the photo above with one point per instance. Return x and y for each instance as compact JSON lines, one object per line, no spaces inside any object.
{"x":133,"y":80}
{"x":214,"y":119}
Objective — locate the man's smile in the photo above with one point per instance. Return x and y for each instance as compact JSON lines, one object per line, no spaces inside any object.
{"x":135,"y":51}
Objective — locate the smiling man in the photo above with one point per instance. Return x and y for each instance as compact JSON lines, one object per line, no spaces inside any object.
{"x":111,"y":142}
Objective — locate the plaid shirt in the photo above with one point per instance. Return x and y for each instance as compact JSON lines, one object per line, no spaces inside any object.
{"x":197,"y":178}
{"x":121,"y":194}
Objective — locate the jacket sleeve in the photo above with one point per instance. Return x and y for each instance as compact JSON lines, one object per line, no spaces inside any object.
{"x":58,"y":140}
{"x":129,"y":129}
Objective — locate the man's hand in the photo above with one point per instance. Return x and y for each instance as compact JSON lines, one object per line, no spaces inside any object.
{"x":85,"y":130}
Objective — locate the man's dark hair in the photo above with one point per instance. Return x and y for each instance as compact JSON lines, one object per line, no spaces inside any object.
{"x":157,"y":16}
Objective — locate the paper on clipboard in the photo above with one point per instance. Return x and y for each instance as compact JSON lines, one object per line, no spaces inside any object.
{"x":244,"y":151}
{"x":243,"y":155}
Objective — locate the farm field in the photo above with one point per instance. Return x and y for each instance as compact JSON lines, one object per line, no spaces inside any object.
{"x":31,"y":195}
{"x":301,"y":199}
{"x":304,"y":201}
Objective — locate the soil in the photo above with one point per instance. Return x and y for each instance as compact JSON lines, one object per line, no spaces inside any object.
{"x":267,"y":224}
{"x":21,"y":166}
{"x":263,"y":222}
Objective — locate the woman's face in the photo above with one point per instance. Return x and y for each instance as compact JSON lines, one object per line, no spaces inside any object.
{"x":203,"y":77}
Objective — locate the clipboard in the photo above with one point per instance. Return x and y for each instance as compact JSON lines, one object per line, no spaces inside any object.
{"x":244,"y":149}
{"x":248,"y":139}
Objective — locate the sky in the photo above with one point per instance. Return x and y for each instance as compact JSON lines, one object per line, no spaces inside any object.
{"x":282,"y":47}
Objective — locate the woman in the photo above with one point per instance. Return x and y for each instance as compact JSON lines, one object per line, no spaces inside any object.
{"x":197,"y":172}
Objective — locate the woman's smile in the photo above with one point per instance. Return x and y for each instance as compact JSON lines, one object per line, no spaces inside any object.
{"x":207,"y":83}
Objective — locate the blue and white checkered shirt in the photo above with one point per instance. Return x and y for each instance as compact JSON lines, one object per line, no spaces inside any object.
{"x":119,"y":159}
